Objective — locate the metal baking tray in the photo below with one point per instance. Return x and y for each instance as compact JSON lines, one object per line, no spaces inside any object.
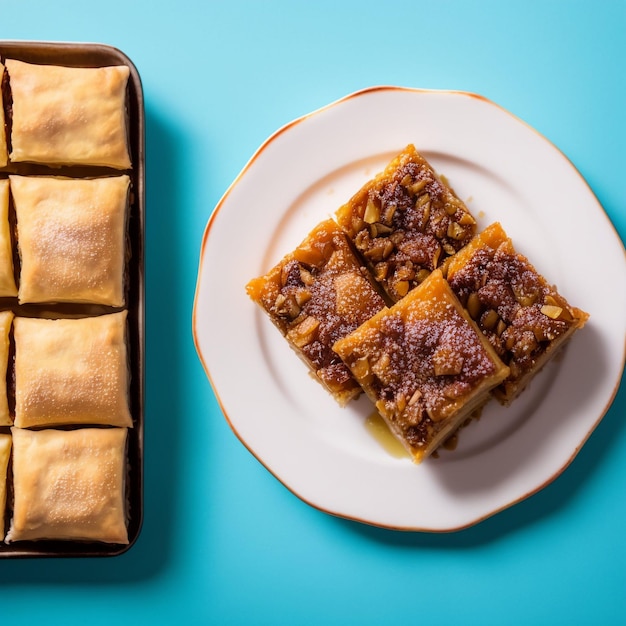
{"x":98,"y":55}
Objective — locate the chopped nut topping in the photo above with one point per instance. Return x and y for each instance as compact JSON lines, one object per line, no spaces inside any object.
{"x":361,"y":368}
{"x":447,"y":362}
{"x":466,"y":219}
{"x":402,"y":287}
{"x":302,"y":297}
{"x":306,"y":277}
{"x":473,"y":305}
{"x":379,"y":230}
{"x":389,"y":213}
{"x":286,"y":306}
{"x":422,"y":275}
{"x":372,"y":212}
{"x":381,"y":270}
{"x":418,"y":186}
{"x":400,"y":402}
{"x":406,"y":181}
{"x":455,"y":231}
{"x":381,"y":368}
{"x":553,"y":312}
{"x":500,"y":328}
{"x":305,"y":332}
{"x":489,"y":319}
{"x":417,"y":394}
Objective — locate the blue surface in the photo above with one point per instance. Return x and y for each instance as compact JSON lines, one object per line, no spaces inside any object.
{"x":223,"y":542}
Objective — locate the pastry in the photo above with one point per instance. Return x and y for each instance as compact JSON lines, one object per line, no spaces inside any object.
{"x":524,"y":317}
{"x":68,"y":115}
{"x":6,"y":319}
{"x":5,"y":453}
{"x":71,"y":236}
{"x":424,"y":364}
{"x":69,"y":484}
{"x":71,"y":371}
{"x":7,"y":275}
{"x":405,"y":223}
{"x":4,"y":155}
{"x":315,"y":295}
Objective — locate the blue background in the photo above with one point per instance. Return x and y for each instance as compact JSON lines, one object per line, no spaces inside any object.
{"x":223,"y":542}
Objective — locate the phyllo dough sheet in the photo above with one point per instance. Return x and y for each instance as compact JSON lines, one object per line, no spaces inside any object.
{"x":69,"y":485}
{"x":69,"y":115}
{"x":71,"y":235}
{"x":71,"y":371}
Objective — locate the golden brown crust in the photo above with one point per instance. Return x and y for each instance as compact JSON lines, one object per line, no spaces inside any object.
{"x":424,"y":364}
{"x":523,"y":316}
{"x":405,"y":223}
{"x":316,"y":295}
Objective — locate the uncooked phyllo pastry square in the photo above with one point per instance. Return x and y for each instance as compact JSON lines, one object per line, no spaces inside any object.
{"x":5,"y":453}
{"x":71,"y":371}
{"x":424,"y":364}
{"x":524,"y":317}
{"x":6,"y":320}
{"x":69,"y":115}
{"x":4,"y":153}
{"x":71,"y":236}
{"x":8,"y":287}
{"x":315,"y":295}
{"x":69,"y":484}
{"x":406,"y":222}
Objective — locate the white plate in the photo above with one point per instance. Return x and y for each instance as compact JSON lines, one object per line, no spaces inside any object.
{"x":505,"y":171}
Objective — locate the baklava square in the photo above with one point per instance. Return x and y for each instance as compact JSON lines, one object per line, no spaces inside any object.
{"x":524,"y":317}
{"x":71,"y":371}
{"x":69,"y":484}
{"x":5,"y":453}
{"x":6,"y":320}
{"x":315,"y":295}
{"x":69,"y":115}
{"x":71,"y":236}
{"x":424,"y":364}
{"x":8,"y":287}
{"x":406,"y":222}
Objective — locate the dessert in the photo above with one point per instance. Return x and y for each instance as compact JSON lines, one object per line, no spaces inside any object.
{"x":405,"y":223}
{"x":71,"y":235}
{"x":424,"y":364}
{"x":525,"y":318}
{"x":6,"y":319}
{"x":71,"y":371}
{"x":72,"y":280}
{"x":68,"y":115}
{"x":4,"y":155}
{"x":7,"y":276}
{"x":315,"y":295}
{"x":5,"y":453}
{"x":69,"y":485}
